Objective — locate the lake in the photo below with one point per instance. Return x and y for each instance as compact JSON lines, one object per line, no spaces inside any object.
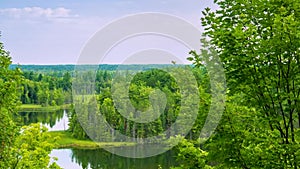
{"x":54,"y":121}
{"x":101,"y":159}
{"x":92,"y":159}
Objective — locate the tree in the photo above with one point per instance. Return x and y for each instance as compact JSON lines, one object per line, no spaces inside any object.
{"x":259,"y":45}
{"x":66,"y":83}
{"x":43,"y":96}
{"x":243,"y":139}
{"x":9,"y":82}
{"x":32,"y":148}
{"x":189,"y":156}
{"x":18,"y":148}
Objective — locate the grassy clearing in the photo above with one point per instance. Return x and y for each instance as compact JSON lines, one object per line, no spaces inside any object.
{"x":65,"y":140}
{"x":40,"y":108}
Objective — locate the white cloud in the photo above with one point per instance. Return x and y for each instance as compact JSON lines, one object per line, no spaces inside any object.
{"x":37,"y":12}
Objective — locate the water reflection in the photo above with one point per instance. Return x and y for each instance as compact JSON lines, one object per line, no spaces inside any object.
{"x":92,"y":159}
{"x":101,"y":159}
{"x":54,"y":121}
{"x":65,"y":158}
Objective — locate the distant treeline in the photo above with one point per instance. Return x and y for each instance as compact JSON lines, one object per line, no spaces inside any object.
{"x":109,"y":67}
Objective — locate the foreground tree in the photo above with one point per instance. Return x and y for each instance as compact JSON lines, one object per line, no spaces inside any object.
{"x":259,"y":45}
{"x":190,"y":156}
{"x":9,"y":82}
{"x":32,"y":149}
{"x":26,"y":148}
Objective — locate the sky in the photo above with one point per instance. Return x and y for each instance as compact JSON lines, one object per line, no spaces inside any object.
{"x":56,"y":31}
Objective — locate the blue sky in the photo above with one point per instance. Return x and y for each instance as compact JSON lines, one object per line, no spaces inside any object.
{"x":54,"y":32}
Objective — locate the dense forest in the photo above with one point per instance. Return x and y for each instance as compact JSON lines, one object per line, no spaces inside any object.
{"x":258,"y":44}
{"x":142,"y":84}
{"x":51,"y":88}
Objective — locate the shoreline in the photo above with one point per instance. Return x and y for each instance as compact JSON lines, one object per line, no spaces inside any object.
{"x":65,"y":140}
{"x":40,"y":108}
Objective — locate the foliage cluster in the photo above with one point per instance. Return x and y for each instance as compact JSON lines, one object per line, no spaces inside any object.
{"x":19,"y":148}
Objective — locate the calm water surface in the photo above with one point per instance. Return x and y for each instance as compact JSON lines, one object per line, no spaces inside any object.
{"x":101,"y":159}
{"x":92,"y":159}
{"x":54,"y":121}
